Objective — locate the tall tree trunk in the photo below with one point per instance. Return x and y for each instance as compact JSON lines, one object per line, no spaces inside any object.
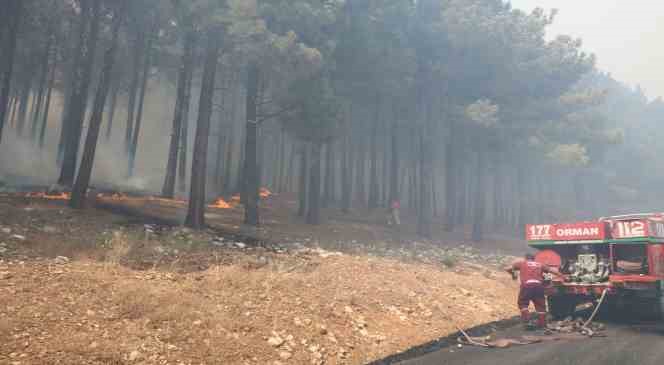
{"x":251,"y":174}
{"x":23,"y":107}
{"x":347,"y":169}
{"x":413,"y":200}
{"x":328,"y":195}
{"x":133,"y":86}
{"x":424,"y":14}
{"x":80,"y":188}
{"x":230,"y":155}
{"x":79,"y":101}
{"x":450,"y":179}
{"x":184,"y":134}
{"x":394,"y":168}
{"x":69,"y":84}
{"x":426,"y":187}
{"x":290,"y":174}
{"x":13,"y":15}
{"x":478,"y":208}
{"x":281,"y":161}
{"x":141,"y":101}
{"x":34,"y":105}
{"x":221,"y":136}
{"x":196,"y":209}
{"x":522,"y":217}
{"x":462,"y":204}
{"x":373,"y":167}
{"x":434,"y":196}
{"x":385,"y":169}
{"x":313,"y":213}
{"x":42,"y":86}
{"x":73,"y":75}
{"x":14,"y":109}
{"x":115,"y":90}
{"x":302,"y":185}
{"x":168,"y":189}
{"x":361,"y":172}
{"x":498,"y":218}
{"x":47,"y":104}
{"x":240,"y":187}
{"x":219,"y":167}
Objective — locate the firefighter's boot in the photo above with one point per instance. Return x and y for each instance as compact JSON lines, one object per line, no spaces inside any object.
{"x":541,"y":320}
{"x":525,"y":319}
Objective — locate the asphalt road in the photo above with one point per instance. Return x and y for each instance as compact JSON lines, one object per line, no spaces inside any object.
{"x":641,"y":344}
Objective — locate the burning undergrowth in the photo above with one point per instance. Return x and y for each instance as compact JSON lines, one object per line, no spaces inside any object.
{"x":49,"y":195}
{"x":60,"y":193}
{"x":40,"y":227}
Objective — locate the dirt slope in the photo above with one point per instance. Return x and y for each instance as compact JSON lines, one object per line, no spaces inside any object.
{"x":127,"y":296}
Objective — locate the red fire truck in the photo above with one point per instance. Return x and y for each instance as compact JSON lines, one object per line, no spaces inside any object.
{"x":623,"y":255}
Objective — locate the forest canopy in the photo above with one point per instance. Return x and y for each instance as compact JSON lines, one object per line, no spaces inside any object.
{"x":465,"y":111}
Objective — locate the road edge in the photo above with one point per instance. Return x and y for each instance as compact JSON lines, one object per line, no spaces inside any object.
{"x":447,"y":341}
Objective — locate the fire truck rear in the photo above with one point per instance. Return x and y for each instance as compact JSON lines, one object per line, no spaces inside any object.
{"x":622,"y":255}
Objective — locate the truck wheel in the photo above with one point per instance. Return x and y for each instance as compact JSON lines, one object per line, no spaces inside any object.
{"x":562,"y":306}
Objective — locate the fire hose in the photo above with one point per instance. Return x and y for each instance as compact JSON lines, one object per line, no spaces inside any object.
{"x":526,"y":340}
{"x":599,"y":304}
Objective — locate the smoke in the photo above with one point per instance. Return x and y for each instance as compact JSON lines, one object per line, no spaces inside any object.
{"x":626,"y":37}
{"x":23,"y":162}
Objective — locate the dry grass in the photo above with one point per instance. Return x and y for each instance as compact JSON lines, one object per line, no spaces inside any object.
{"x":119,"y":247}
{"x":214,"y":306}
{"x":356,"y":309}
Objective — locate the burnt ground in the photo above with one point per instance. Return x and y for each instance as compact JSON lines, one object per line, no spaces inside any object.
{"x":625,"y":343}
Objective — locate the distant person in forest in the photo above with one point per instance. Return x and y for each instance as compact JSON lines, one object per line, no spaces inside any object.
{"x":393,"y":213}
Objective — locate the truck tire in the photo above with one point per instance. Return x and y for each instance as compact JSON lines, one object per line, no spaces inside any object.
{"x":562,"y":306}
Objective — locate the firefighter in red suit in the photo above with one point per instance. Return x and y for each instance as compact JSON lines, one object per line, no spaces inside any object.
{"x":532,"y":287}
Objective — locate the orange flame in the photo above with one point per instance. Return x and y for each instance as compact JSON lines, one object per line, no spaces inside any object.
{"x":168,"y":201}
{"x":220,"y":203}
{"x":114,"y":196}
{"x":59,"y":196}
{"x":264,"y":193}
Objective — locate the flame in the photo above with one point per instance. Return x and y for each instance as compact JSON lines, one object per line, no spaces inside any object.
{"x":220,"y":203}
{"x":114,"y":196}
{"x":125,"y":197}
{"x":58,"y":196}
{"x":167,"y":201}
{"x":264,"y":193}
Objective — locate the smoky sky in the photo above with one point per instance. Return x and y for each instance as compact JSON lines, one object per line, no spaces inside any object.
{"x":627,"y":36}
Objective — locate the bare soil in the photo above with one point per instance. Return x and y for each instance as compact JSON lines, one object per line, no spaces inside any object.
{"x":92,"y":287}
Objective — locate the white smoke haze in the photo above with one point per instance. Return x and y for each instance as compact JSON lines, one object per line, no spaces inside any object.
{"x":21,"y":158}
{"x":625,"y":35}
